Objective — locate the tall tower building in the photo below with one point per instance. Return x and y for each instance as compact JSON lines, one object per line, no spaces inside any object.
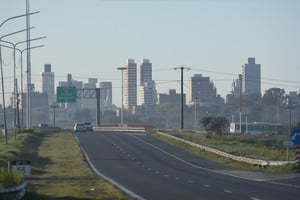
{"x":145,"y":71}
{"x":48,"y":83}
{"x":251,"y":77}
{"x":105,"y":96}
{"x":202,"y":90}
{"x":147,"y":91}
{"x":130,"y":84}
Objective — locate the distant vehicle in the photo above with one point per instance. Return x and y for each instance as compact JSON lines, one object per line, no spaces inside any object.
{"x":79,"y":127}
{"x":88,"y":126}
{"x":43,"y":125}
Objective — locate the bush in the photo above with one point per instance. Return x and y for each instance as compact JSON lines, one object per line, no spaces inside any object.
{"x":9,"y":179}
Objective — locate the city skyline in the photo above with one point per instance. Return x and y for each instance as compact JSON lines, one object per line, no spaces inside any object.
{"x":213,"y":38}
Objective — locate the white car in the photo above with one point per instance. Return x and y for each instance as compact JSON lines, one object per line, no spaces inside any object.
{"x":79,"y":127}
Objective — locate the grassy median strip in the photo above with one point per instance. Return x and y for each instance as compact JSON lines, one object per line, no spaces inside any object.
{"x":257,"y":147}
{"x":59,"y":170}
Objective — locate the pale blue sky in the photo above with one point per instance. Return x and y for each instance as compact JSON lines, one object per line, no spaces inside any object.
{"x":91,"y":38}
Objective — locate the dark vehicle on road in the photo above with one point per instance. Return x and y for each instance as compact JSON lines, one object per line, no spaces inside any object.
{"x":88,"y":126}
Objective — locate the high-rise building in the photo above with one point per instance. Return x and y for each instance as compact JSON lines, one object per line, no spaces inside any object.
{"x":105,"y":96}
{"x":251,"y":83}
{"x":89,"y":103}
{"x":48,"y":83}
{"x":202,"y":90}
{"x":172,"y":98}
{"x":147,"y":94}
{"x":147,"y":91}
{"x":145,"y":71}
{"x":130,"y":84}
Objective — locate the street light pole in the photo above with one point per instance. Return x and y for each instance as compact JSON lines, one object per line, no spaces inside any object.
{"x":195,"y":104}
{"x":21,"y":62}
{"x":2,"y":81}
{"x":181,"y":68}
{"x":21,"y":52}
{"x":54,"y":105}
{"x":122,"y":108}
{"x":14,"y":58}
{"x":4,"y":111}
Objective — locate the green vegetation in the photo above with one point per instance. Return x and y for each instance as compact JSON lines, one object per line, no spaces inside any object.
{"x":8,"y":179}
{"x":58,"y":168}
{"x":257,"y":147}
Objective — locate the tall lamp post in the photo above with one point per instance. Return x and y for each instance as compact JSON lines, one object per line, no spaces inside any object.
{"x":2,"y":81}
{"x":122,"y":108}
{"x":4,"y":111}
{"x":182,"y":68}
{"x":14,"y":47}
{"x":21,"y":62}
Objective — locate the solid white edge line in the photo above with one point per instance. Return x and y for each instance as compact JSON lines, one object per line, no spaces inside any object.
{"x":213,"y":171}
{"x":116,"y":184}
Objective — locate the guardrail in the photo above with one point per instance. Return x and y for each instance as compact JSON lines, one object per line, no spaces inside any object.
{"x":262,"y":163}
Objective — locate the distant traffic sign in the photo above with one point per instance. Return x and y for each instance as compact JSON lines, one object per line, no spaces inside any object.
{"x":296,"y":137}
{"x":66,"y":94}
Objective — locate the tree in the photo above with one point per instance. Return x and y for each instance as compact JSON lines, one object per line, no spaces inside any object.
{"x":207,"y":123}
{"x":214,"y":124}
{"x":219,"y":125}
{"x":272,"y":102}
{"x":297,"y":126}
{"x":273,"y":97}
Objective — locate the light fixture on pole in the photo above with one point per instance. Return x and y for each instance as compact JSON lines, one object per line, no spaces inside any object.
{"x":122,"y":108}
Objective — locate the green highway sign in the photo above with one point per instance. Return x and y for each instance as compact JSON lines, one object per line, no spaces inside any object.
{"x":66,"y":94}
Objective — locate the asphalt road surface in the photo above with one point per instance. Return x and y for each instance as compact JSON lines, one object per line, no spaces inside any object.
{"x":147,"y":168}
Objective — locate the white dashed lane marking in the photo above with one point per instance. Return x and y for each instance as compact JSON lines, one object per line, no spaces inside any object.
{"x":254,"y":198}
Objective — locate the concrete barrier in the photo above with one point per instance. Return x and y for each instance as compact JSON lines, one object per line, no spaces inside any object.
{"x":252,"y":161}
{"x":119,"y":128}
{"x":13,"y":193}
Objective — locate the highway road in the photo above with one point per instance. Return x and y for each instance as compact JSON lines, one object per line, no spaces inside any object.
{"x":147,"y":168}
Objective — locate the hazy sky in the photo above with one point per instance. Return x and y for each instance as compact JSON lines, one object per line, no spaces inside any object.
{"x":91,"y":38}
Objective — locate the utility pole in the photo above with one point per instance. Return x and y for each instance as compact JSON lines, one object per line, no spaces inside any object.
{"x":240,"y":114}
{"x":181,"y":68}
{"x":290,"y":106}
{"x":195,"y":104}
{"x":122,"y":108}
